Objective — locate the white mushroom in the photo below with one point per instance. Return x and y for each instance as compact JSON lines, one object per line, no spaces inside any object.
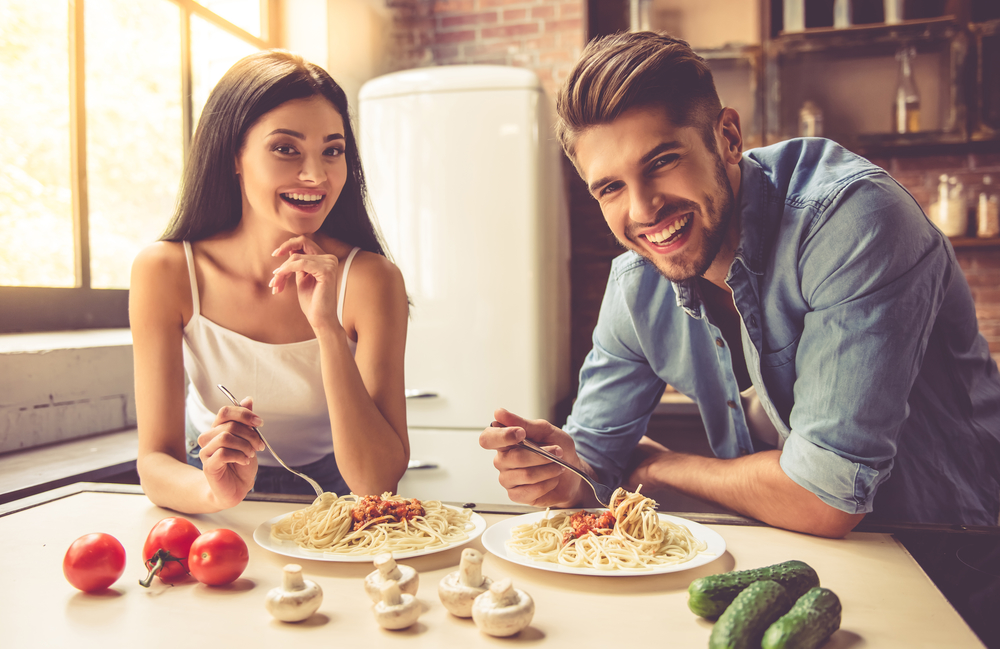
{"x":460,"y":588}
{"x":396,"y":610}
{"x":296,"y":599}
{"x":386,"y":569}
{"x":503,"y":610}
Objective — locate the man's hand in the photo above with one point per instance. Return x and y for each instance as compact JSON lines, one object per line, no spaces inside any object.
{"x":529,"y":478}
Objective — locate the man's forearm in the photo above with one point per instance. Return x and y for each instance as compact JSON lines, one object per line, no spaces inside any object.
{"x":753,"y":485}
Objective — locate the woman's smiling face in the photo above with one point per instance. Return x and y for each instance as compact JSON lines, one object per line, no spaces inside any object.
{"x":663,"y":192}
{"x":292,"y":166}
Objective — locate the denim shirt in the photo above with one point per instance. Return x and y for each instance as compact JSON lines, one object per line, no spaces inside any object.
{"x":859,"y":333}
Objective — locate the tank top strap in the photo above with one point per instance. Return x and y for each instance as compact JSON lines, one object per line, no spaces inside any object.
{"x":195,"y":302}
{"x":343,"y":284}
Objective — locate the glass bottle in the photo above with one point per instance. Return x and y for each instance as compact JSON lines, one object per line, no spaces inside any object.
{"x":906,"y":108}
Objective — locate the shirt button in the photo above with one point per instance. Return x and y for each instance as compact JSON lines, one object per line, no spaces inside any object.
{"x":720,"y":342}
{"x":753,"y":320}
{"x":743,"y":451}
{"x":731,"y":404}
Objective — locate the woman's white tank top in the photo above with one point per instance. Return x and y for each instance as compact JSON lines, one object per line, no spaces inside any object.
{"x":284,"y":380}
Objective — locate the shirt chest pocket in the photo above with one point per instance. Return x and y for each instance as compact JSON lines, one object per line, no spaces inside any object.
{"x":777,"y":369}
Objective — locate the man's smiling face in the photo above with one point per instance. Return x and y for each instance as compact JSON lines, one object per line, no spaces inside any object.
{"x":663,"y":192}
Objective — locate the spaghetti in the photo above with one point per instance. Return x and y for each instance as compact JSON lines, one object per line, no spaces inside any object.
{"x":370,"y":525}
{"x":629,"y":536}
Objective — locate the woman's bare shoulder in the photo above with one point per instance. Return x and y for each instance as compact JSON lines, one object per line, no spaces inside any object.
{"x":160,"y":271}
{"x":161,"y":256}
{"x":374,"y":271}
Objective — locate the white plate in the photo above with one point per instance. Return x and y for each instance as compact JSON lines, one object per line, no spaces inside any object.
{"x":262,"y":535}
{"x":495,"y":540}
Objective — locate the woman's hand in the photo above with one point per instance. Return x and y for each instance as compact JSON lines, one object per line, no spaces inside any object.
{"x":315,"y":274}
{"x":229,"y":453}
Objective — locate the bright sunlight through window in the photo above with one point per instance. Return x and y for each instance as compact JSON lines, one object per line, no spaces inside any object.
{"x":132,"y":74}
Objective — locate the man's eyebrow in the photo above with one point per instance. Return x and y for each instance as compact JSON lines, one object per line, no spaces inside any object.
{"x":652,"y":153}
{"x":286,"y":131}
{"x":662,"y":147}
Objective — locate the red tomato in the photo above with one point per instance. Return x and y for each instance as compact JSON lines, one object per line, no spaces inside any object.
{"x":94,"y":562}
{"x":165,"y":552}
{"x":218,"y":557}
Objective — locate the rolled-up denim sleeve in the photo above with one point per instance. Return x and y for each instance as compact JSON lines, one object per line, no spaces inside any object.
{"x":618,"y":392}
{"x":874,"y":272}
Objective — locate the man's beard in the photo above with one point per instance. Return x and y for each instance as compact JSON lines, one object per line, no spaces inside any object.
{"x":719,"y":210}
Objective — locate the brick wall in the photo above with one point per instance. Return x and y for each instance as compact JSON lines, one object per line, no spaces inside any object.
{"x":545,"y":36}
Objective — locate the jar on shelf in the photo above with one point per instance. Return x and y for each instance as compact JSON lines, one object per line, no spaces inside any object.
{"x":949,"y":213}
{"x":893,"y":11}
{"x":810,"y":120}
{"x":988,"y":211}
{"x":842,"y":14}
{"x":793,"y":15}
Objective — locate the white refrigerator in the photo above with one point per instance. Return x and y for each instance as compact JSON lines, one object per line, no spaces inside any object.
{"x":465,"y":178}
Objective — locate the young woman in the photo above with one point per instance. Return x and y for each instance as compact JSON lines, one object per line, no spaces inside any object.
{"x":272,"y":281}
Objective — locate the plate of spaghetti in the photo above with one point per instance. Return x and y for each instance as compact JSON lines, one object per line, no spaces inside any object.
{"x":629,"y":539}
{"x":358,"y":528}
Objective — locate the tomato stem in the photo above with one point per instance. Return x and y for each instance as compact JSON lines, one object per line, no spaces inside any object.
{"x":155,"y":564}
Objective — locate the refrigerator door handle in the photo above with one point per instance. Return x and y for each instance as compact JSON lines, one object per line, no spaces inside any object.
{"x":420,"y":394}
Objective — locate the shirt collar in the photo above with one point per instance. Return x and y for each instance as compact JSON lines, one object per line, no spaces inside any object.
{"x":756,"y":226}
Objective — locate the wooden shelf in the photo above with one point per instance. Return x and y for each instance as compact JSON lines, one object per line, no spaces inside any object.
{"x":974,"y":242}
{"x":866,"y":31}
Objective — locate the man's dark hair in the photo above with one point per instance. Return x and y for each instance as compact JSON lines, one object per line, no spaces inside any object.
{"x":632,"y":69}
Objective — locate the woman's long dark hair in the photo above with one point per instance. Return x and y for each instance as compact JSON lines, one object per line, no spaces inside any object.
{"x":210,"y":199}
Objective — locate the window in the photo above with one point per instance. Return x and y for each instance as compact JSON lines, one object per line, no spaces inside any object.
{"x":100,"y":101}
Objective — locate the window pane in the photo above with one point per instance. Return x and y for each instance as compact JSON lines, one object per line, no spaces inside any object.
{"x":242,"y":13}
{"x":213,"y":51}
{"x":36,"y":213}
{"x":134,"y":131}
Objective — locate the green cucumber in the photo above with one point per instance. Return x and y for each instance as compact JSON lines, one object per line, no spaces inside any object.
{"x":812,"y":619}
{"x":750,"y":614}
{"x":709,"y":596}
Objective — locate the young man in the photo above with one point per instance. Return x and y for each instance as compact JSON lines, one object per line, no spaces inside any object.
{"x":797,"y":293}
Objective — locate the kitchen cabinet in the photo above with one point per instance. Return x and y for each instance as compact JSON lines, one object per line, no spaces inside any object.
{"x":851,"y":73}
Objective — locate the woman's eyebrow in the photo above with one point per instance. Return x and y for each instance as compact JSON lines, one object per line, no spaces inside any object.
{"x":296,"y":134}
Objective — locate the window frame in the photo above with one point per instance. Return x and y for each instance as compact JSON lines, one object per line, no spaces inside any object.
{"x":31,"y":308}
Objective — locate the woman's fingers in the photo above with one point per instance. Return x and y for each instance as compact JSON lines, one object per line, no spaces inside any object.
{"x":322,"y":267}
{"x":241,"y":415}
{"x":232,"y":436}
{"x":238,"y":421}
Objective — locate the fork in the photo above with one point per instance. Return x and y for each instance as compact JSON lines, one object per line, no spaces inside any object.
{"x":601,"y":491}
{"x":313,"y":483}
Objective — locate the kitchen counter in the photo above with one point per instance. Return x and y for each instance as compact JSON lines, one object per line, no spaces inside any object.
{"x":888,"y":599}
